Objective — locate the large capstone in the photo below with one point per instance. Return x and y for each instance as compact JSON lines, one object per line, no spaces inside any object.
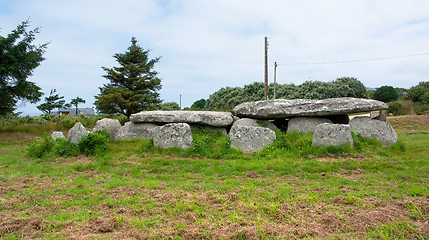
{"x":375,"y":129}
{"x":282,"y":108}
{"x":216,"y":119}
{"x":132,"y":130}
{"x":173,"y":135}
{"x":305,"y":124}
{"x":76,"y":133}
{"x":327,"y":134}
{"x":111,"y":126}
{"x":251,"y":139}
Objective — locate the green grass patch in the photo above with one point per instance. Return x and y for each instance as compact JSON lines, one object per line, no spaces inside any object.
{"x":288,"y":190}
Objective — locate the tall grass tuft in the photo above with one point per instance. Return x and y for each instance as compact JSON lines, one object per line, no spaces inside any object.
{"x":94,"y":144}
{"x":296,"y":144}
{"x":211,"y":144}
{"x":205,"y":144}
{"x":41,"y":148}
{"x":64,"y":148}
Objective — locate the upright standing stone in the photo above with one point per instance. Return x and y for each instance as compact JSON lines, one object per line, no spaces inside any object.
{"x":305,"y":124}
{"x":111,"y":126}
{"x":327,"y":134}
{"x":173,"y":135}
{"x":251,"y":139}
{"x":55,"y":135}
{"x":76,"y":133}
{"x":375,"y":129}
{"x":132,"y":130}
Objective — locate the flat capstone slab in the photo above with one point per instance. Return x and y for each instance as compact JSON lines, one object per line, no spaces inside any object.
{"x":216,"y":119}
{"x":282,"y":108}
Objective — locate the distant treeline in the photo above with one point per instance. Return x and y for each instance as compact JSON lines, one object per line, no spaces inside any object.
{"x":227,"y":98}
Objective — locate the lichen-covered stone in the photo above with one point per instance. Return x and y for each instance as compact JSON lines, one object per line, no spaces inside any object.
{"x":282,"y":108}
{"x":216,"y":119}
{"x":173,"y":135}
{"x":251,"y":139}
{"x":111,"y":126}
{"x":305,"y":124}
{"x":375,"y":129}
{"x":327,"y":134}
{"x":132,"y":130}
{"x":55,"y":135}
{"x":76,"y":133}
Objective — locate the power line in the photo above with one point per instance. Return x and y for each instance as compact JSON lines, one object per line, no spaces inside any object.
{"x":356,"y":60}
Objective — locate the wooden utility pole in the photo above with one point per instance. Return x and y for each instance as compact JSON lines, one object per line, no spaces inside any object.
{"x":266,"y":70}
{"x":275,"y":73}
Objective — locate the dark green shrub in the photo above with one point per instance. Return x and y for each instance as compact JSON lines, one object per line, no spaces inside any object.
{"x":396,"y":109}
{"x":419,"y":93}
{"x":122,"y":119}
{"x":210,"y":144}
{"x":67,"y":122}
{"x":95,"y":143}
{"x":199,"y":104}
{"x":421,"y":108}
{"x":205,"y":144}
{"x":386,"y":94}
{"x":40,"y":148}
{"x":64,"y":148}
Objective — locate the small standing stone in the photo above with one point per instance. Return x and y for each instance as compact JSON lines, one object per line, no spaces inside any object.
{"x":55,"y":135}
{"x":173,"y":135}
{"x":305,"y":124}
{"x":327,"y":134}
{"x":132,"y":130}
{"x":375,"y":129}
{"x":111,"y":126}
{"x":76,"y":133}
{"x":251,"y":139}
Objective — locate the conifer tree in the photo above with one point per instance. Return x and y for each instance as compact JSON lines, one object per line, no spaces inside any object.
{"x":18,"y":58}
{"x":133,"y":85}
{"x":52,"y":102}
{"x":75,"y":102}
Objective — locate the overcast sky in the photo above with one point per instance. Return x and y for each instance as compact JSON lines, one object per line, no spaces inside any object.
{"x":209,"y":44}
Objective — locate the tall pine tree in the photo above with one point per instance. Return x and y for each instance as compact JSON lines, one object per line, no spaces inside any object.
{"x":18,"y":58}
{"x":133,"y":85}
{"x":52,"y":102}
{"x":75,"y":102}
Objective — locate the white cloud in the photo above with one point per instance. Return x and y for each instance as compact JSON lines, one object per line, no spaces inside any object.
{"x":206,"y":45}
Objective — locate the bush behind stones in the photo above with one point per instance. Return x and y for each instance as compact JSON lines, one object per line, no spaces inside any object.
{"x":94,"y":144}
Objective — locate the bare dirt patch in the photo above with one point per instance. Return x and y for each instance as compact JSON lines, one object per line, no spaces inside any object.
{"x":329,"y":157}
{"x":409,"y":122}
{"x":8,"y":137}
